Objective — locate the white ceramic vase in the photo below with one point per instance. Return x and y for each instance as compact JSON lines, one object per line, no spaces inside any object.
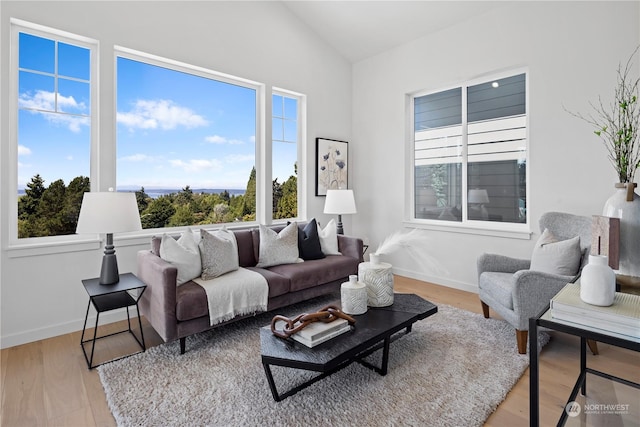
{"x":617,"y":206}
{"x":353,"y":296}
{"x":598,"y":282}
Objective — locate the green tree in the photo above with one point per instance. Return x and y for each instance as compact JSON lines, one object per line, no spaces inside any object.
{"x":158,"y":213}
{"x":288,"y":204}
{"x":185,"y":196}
{"x":142,"y":198}
{"x":72,"y":202}
{"x":50,"y":209}
{"x":276,"y":191}
{"x":28,"y":204}
{"x":250,"y":195}
{"x":183,"y":216}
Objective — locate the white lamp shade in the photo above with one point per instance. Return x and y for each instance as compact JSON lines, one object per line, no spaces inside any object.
{"x":108,"y":212}
{"x":478,"y":196}
{"x":340,"y":202}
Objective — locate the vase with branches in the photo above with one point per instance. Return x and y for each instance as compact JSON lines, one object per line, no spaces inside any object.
{"x":617,"y":122}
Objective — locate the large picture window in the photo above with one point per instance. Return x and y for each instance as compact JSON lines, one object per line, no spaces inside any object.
{"x":186,"y":143}
{"x":470,"y":152}
{"x":55,"y":82}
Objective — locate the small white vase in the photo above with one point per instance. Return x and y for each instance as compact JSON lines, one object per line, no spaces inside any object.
{"x":598,"y":282}
{"x":353,"y":296}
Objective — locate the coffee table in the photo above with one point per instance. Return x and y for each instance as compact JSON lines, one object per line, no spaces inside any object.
{"x":374,"y":330}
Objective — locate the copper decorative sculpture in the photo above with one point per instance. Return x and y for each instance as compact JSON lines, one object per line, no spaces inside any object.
{"x":291,"y":326}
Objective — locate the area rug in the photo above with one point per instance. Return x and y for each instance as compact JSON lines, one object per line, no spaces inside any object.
{"x":453,"y":369}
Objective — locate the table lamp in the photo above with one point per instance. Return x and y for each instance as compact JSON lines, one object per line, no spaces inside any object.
{"x":340,"y":202}
{"x":108,"y":212}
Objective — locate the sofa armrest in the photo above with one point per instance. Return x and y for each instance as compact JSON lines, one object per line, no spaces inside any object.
{"x":351,"y":247}
{"x":158,"y":302}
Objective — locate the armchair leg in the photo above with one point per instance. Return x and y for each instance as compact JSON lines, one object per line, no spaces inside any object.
{"x":521,"y":338}
{"x":485,"y":309}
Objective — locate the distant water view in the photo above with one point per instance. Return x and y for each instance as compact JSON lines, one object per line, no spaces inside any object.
{"x":154,"y":193}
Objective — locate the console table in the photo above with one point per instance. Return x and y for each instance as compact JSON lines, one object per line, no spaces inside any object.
{"x":111,"y":297}
{"x":545,"y":320}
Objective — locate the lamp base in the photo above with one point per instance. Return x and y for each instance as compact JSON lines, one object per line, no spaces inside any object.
{"x":339,"y":228}
{"x":109,"y":273}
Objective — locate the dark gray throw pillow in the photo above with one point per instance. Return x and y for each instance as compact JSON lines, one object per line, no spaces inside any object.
{"x":309,"y":241}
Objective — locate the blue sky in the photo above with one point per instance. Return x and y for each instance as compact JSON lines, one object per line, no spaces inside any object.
{"x":173,"y":129}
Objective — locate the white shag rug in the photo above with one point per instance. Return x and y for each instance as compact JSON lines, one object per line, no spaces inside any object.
{"x":453,"y":369}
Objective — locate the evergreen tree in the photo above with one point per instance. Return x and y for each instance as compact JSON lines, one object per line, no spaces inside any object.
{"x":28,"y":204}
{"x":250,"y":195}
{"x":73,"y":201}
{"x":142,"y":199}
{"x":158,"y":213}
{"x":51,"y":208}
{"x":288,"y":203}
{"x":183,"y":216}
{"x":185,"y":196}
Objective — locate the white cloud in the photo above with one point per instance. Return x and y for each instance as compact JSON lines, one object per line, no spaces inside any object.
{"x":240,"y":158}
{"x":160,"y":114}
{"x":69,"y":157}
{"x":43,"y":102}
{"x":23,"y":151}
{"x":252,"y":138}
{"x":217,"y":139}
{"x":137,"y":158}
{"x":197,"y":165}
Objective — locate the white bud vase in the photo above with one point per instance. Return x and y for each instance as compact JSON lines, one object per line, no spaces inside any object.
{"x":353,"y":296}
{"x":598,"y":282}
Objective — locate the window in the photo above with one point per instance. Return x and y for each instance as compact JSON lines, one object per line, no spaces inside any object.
{"x":470,"y":152}
{"x":185,"y":142}
{"x":54,"y":93}
{"x":285,"y":140}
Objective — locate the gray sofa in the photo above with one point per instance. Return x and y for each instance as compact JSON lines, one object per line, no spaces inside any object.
{"x":176,"y":312}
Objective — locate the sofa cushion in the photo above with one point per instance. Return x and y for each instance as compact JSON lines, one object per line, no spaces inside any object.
{"x":246,"y":254}
{"x":315,"y":272}
{"x":191,"y":302}
{"x":309,"y":241}
{"x":278,"y":248}
{"x":499,"y":285}
{"x":329,"y":238}
{"x":278,"y":285}
{"x":219,"y":253}
{"x":183,"y":254}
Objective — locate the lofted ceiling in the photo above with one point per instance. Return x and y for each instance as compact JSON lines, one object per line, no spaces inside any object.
{"x":361,"y":29}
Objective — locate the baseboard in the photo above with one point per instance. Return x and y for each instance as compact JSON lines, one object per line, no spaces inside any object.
{"x":51,"y":331}
{"x":438,"y":280}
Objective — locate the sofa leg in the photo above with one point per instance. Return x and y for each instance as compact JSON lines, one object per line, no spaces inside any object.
{"x":183,"y":345}
{"x":593,"y":346}
{"x":521,"y":338}
{"x":485,"y":309}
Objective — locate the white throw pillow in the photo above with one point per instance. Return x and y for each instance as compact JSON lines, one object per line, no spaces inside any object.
{"x":278,"y":248}
{"x":556,"y":257}
{"x":329,"y":239}
{"x":219,"y":253}
{"x":183,"y":254}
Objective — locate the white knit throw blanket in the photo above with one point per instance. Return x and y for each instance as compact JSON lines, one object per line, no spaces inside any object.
{"x":234,"y":294}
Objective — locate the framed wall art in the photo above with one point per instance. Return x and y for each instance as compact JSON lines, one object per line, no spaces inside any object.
{"x":332,"y":160}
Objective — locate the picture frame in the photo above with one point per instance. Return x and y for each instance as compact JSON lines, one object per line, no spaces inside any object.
{"x":332,"y":165}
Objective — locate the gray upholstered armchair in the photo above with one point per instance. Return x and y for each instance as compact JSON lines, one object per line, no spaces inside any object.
{"x":517,"y":293}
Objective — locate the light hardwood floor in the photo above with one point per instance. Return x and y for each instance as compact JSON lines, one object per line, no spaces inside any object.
{"x":47,"y":383}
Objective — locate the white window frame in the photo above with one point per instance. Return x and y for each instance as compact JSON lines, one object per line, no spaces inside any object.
{"x":48,"y":244}
{"x":301,"y":150}
{"x":489,"y":228}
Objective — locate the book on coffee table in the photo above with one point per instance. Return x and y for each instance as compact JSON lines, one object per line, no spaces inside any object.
{"x":318,"y":332}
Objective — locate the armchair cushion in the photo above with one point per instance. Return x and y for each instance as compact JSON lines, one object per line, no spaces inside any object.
{"x":499,"y":285}
{"x":556,"y":257}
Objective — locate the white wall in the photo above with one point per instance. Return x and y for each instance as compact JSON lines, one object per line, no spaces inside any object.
{"x":571,"y":49}
{"x":41,"y":295}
